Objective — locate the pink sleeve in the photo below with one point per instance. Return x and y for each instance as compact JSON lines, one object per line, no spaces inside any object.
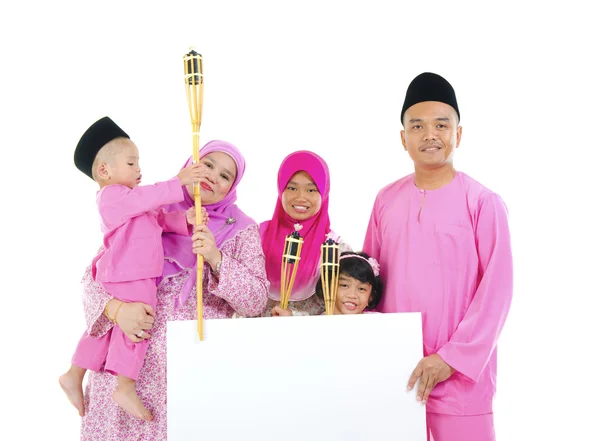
{"x":117,"y":203}
{"x":242,"y":278}
{"x":473,"y":342}
{"x":95,"y":299}
{"x":372,"y":243}
{"x":174,"y":222}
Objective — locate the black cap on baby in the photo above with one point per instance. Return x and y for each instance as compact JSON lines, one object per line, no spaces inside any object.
{"x":95,"y":137}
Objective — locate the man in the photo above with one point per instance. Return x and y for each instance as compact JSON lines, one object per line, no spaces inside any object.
{"x":443,"y":243}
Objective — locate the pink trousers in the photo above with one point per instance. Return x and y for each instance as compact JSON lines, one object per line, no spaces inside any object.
{"x":460,"y":428}
{"x":114,"y":351}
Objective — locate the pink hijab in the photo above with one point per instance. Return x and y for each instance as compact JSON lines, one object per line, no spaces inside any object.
{"x":226,"y":220}
{"x":314,"y":229}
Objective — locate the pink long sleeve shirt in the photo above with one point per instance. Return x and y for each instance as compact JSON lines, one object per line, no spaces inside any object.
{"x":446,"y":253}
{"x":133,"y":224}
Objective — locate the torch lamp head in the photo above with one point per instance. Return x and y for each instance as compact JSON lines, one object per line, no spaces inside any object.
{"x":330,"y":252}
{"x":293,"y":242}
{"x":194,"y":89}
{"x":192,"y":64}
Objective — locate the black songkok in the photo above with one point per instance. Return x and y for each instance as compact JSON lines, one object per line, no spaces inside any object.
{"x":95,"y":137}
{"x":429,"y":87}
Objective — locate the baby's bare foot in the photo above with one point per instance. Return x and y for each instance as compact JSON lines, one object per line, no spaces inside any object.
{"x":71,"y":385}
{"x":128,"y":400}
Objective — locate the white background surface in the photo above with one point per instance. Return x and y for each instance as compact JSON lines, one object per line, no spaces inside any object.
{"x":311,"y":378}
{"x":283,"y":76}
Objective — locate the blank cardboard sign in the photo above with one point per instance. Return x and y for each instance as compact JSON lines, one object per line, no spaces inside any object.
{"x":295,"y":378}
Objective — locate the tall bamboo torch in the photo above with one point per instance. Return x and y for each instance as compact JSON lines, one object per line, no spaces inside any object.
{"x":330,"y":272}
{"x":194,"y":88}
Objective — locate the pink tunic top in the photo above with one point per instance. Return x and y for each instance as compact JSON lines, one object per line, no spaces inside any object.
{"x":132,"y":225}
{"x":446,"y":253}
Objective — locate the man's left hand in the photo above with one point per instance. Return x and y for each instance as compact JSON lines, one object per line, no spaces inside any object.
{"x":432,"y":370}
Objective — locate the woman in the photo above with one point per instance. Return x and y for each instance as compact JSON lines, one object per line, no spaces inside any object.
{"x":234,"y":281}
{"x":303,"y":185}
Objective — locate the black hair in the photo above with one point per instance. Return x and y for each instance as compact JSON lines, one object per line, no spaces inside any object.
{"x":361,"y":270}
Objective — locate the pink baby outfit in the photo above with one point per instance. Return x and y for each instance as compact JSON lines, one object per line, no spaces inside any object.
{"x":128,"y":265}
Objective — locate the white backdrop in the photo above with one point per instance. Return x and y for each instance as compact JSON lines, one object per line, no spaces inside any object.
{"x":326,"y":76}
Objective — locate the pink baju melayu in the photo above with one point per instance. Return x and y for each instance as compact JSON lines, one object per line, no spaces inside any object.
{"x":446,"y":253}
{"x":128,"y":265}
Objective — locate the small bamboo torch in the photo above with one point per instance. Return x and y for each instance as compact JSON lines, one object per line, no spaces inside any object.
{"x":194,"y":88}
{"x":330,"y":272}
{"x":289,"y":264}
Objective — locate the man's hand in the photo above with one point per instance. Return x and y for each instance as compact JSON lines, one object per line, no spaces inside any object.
{"x":431,"y":370}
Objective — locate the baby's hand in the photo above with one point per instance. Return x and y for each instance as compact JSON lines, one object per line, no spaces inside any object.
{"x":190,"y":174}
{"x":190,"y":214}
{"x":278,"y":311}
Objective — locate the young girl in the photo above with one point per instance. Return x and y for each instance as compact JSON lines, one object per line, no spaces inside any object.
{"x":359,"y":285}
{"x":303,"y":186}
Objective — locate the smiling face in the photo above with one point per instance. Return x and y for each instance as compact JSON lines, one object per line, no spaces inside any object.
{"x":219,"y":173}
{"x":352,"y":295}
{"x":431,"y":134}
{"x":301,"y":199}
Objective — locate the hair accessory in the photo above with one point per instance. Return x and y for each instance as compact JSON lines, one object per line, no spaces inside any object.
{"x":371,"y":261}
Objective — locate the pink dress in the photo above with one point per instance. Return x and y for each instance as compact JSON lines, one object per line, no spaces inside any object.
{"x":241,"y":288}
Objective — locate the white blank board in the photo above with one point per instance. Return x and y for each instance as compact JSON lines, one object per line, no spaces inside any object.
{"x":295,"y":378}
